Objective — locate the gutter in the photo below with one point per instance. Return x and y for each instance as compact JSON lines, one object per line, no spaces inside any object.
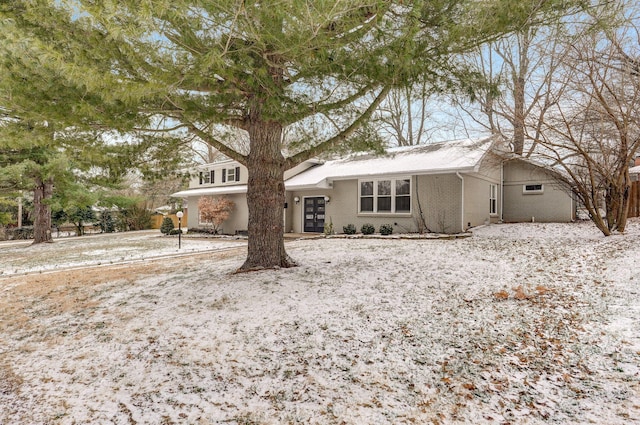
{"x":462,"y":229}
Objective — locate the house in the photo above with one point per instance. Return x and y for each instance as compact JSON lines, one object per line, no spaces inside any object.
{"x":532,"y":192}
{"x":443,"y":187}
{"x":229,"y":179}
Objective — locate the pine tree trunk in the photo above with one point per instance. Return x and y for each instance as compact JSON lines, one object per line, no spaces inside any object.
{"x":265,"y":198}
{"x":42,"y":193}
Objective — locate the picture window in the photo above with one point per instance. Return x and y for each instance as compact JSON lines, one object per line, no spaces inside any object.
{"x":385,"y":196}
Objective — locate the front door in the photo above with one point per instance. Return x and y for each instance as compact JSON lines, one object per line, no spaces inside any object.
{"x":314,"y":214}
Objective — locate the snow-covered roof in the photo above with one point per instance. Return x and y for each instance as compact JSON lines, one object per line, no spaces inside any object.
{"x":634,"y":170}
{"x":436,"y":158}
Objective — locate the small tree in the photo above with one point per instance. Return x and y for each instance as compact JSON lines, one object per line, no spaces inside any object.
{"x":215,"y":210}
{"x":106,"y":221}
{"x":5,"y":218}
{"x":167,"y":225}
{"x":136,"y":217}
{"x":7,"y":209}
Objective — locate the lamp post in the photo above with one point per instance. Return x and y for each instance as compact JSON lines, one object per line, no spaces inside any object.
{"x":179,"y":214}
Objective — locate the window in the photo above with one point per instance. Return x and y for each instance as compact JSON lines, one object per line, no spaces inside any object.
{"x":532,"y":188}
{"x":366,"y":196}
{"x":403,"y":195}
{"x":205,"y":177}
{"x":385,"y":196}
{"x":493,"y":199}
{"x":231,"y":175}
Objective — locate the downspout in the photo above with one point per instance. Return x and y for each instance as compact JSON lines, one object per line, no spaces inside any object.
{"x":502,"y":191}
{"x":462,"y":200}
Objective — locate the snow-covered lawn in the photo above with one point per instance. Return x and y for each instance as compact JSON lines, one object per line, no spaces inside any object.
{"x":18,"y":257}
{"x":521,"y":324}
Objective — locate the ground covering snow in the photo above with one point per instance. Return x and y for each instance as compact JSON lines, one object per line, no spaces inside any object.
{"x":19,"y":257}
{"x":520,"y":323}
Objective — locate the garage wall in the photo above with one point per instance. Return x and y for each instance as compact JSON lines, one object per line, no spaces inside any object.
{"x":553,"y":204}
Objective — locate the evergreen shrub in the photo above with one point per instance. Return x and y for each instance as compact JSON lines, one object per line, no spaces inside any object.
{"x":107,"y":223}
{"x":167,"y":226}
{"x":386,"y":229}
{"x":25,"y":232}
{"x":349,"y":229}
{"x":367,"y":229}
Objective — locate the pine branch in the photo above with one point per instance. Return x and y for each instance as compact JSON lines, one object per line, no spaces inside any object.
{"x":342,"y":136}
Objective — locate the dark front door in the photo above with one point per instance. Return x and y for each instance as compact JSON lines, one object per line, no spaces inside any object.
{"x":314,"y":214}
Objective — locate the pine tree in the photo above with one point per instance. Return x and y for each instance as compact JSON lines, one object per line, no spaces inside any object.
{"x":51,"y":131}
{"x":317,"y":69}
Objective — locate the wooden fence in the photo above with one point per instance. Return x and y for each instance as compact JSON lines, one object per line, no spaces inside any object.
{"x":156,"y":220}
{"x":634,"y":200}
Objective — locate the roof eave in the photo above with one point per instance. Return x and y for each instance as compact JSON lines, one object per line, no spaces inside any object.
{"x":323,"y":184}
{"x":467,"y":169}
{"x":208,"y":191}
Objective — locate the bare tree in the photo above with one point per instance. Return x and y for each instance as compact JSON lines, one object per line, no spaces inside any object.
{"x":403,"y":117}
{"x":593,"y":130}
{"x":567,"y":95}
{"x":519,"y":87}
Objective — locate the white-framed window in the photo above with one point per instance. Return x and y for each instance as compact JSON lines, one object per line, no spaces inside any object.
{"x":493,"y":199}
{"x":385,"y":196}
{"x":206,"y":177}
{"x":533,"y":189}
{"x":230,"y":174}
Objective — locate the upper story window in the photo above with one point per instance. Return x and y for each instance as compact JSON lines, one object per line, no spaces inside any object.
{"x":493,"y":199}
{"x":231,"y":174}
{"x":385,"y":196}
{"x":206,"y":177}
{"x":533,"y":189}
